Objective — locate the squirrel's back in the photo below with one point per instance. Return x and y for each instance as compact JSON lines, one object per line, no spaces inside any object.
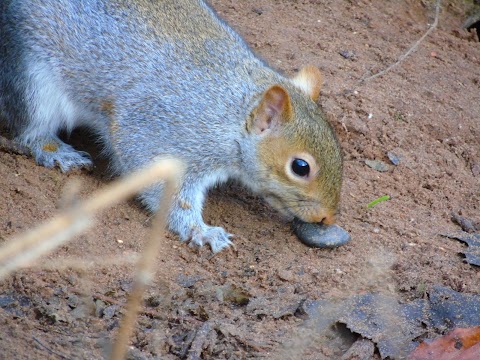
{"x":123,"y":42}
{"x":103,"y":53}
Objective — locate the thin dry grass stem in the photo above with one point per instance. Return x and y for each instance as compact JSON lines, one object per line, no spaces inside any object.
{"x":23,"y":249}
{"x":411,"y":50}
{"x":144,"y":273}
{"x":83,"y":264}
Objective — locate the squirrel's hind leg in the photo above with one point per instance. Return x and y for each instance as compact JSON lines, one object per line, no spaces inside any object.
{"x":50,"y":151}
{"x":48,"y":110}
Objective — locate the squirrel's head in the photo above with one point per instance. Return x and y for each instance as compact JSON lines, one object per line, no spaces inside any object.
{"x":298,"y":155}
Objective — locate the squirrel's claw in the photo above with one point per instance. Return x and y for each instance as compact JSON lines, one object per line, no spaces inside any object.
{"x":51,"y":152}
{"x":216,"y":237}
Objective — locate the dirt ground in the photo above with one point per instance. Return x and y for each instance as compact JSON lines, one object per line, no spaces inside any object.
{"x":426,"y":111}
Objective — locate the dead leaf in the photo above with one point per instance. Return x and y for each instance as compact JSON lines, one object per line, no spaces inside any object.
{"x":460,"y":344}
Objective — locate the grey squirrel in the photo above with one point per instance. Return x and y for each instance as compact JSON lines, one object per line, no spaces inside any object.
{"x":167,"y":78}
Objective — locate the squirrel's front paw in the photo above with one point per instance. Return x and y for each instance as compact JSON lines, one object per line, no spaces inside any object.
{"x":216,"y":237}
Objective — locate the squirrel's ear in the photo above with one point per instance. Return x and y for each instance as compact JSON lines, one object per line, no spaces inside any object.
{"x":274,"y":109}
{"x":309,"y":80}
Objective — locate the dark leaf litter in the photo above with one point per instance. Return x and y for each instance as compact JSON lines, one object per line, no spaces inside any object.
{"x":396,"y":328}
{"x":472,"y":252}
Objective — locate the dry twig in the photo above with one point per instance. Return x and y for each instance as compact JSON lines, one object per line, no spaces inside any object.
{"x":49,"y":349}
{"x":145,"y":271}
{"x":84,"y":264}
{"x":22,"y":250}
{"x":411,"y":50}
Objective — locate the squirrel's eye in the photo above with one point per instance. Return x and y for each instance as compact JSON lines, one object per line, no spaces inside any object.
{"x":300,"y":167}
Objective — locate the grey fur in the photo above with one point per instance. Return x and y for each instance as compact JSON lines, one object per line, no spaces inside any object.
{"x":152,"y":78}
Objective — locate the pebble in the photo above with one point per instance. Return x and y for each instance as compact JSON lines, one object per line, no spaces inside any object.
{"x":394,"y":159}
{"x":99,"y":307}
{"x":319,"y":235}
{"x":110,"y":311}
{"x":72,"y":301}
{"x":377,"y":165}
{"x":286,"y":275}
{"x":476,"y":169}
{"x":347,"y":54}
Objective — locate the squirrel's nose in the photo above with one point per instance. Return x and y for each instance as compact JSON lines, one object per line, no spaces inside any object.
{"x":329,"y":219}
{"x":324,"y":216}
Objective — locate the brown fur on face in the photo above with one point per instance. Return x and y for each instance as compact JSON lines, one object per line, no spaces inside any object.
{"x":314,"y":198}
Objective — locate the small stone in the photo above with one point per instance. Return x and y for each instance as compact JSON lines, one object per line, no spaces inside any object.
{"x":72,"y":301}
{"x":394,"y":159}
{"x":320,"y":235}
{"x":99,"y":307}
{"x":476,"y":170}
{"x":347,"y":54}
{"x":285,"y":275}
{"x":110,"y":311}
{"x":377,"y":165}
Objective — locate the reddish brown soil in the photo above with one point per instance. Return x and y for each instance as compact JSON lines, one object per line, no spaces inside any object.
{"x":426,"y":111}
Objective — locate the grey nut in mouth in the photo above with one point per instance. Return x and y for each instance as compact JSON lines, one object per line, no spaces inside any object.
{"x":320,"y":235}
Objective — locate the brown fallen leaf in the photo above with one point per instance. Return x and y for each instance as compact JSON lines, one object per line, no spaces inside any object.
{"x":459,"y":344}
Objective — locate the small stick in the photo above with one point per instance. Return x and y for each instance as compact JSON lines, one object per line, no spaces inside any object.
{"x":48,"y":349}
{"x":144,"y":272}
{"x":74,"y":263}
{"x":411,"y":50}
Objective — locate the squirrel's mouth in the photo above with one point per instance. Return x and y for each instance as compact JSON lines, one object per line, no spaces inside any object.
{"x":276,"y":203}
{"x":307,"y":213}
{"x":321,"y":217}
